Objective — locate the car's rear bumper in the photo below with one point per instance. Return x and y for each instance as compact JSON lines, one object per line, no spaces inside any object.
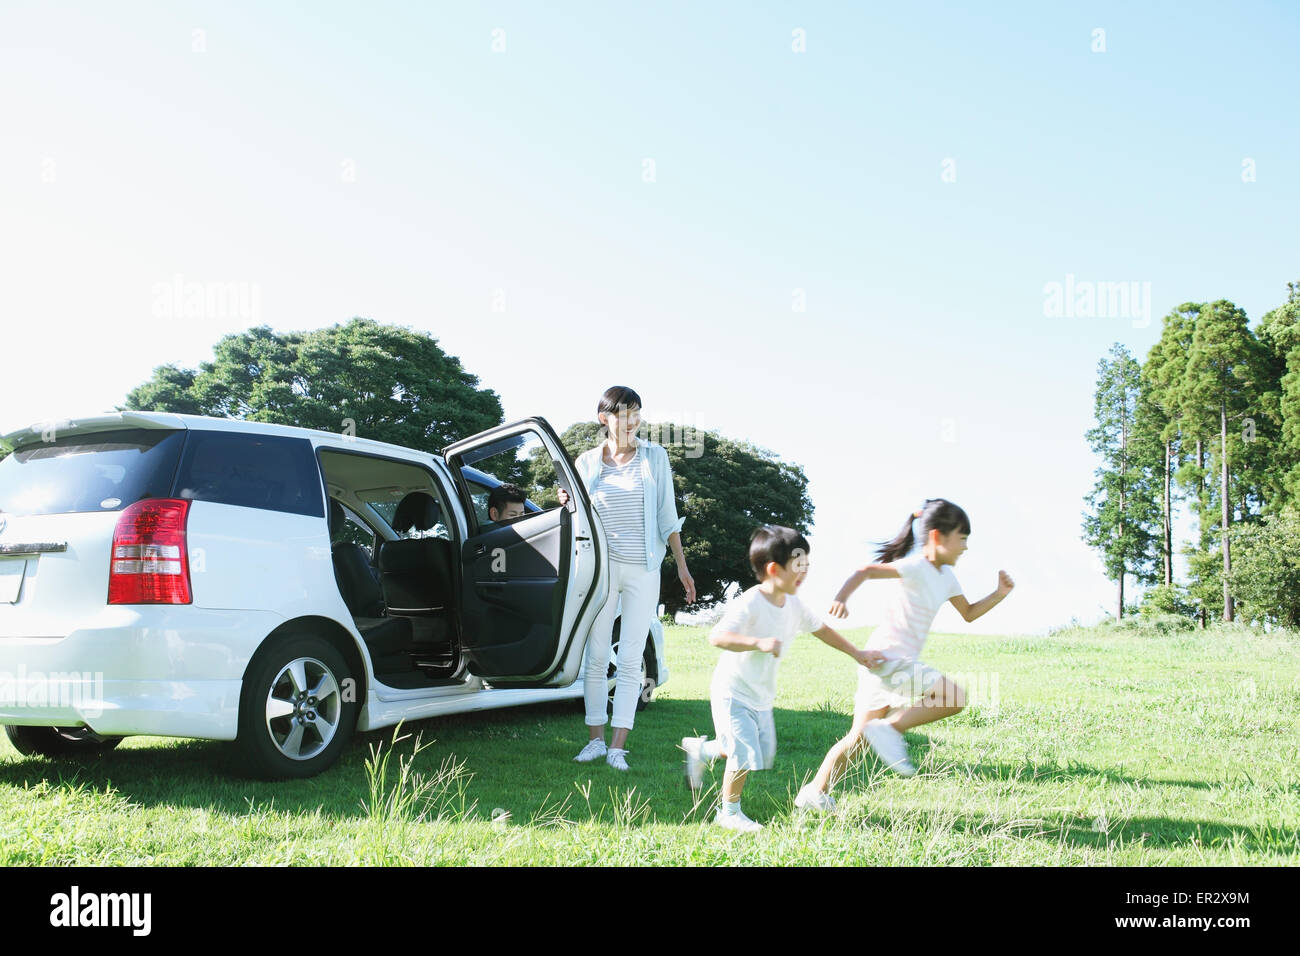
{"x":166,"y":671}
{"x":208,"y":709}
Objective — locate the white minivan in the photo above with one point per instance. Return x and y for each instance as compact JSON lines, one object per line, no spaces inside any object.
{"x":184,"y":576}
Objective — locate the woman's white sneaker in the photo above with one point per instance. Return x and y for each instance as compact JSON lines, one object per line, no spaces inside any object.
{"x":617,"y":759}
{"x":889,"y":745}
{"x":594,"y":750}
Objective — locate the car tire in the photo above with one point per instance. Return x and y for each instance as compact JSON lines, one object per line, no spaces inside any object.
{"x":294,"y":715}
{"x":58,"y":741}
{"x":648,"y":684}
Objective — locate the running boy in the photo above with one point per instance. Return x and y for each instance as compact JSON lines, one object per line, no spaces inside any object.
{"x":753,"y":633}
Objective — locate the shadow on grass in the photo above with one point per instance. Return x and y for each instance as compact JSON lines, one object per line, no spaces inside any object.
{"x":1103,"y":834}
{"x":521,"y":756}
{"x":1024,"y":771}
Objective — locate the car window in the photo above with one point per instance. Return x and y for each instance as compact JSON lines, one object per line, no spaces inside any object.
{"x":387,"y":509}
{"x":355,"y":531}
{"x":521,"y":460}
{"x":273,"y":472}
{"x":103,"y":471}
{"x":478,"y":494}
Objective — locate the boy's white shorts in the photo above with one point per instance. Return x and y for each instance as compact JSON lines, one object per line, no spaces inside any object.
{"x":747,"y":735}
{"x":898,"y":682}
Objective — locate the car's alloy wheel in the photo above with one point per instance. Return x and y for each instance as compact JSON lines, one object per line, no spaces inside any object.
{"x":303,"y":708}
{"x":297,"y":709}
{"x":648,"y":684}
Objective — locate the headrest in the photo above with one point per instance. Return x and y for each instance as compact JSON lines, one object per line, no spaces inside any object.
{"x":337,"y":517}
{"x":418,"y":510}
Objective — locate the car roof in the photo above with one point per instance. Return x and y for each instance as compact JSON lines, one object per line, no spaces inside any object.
{"x":171,"y":420}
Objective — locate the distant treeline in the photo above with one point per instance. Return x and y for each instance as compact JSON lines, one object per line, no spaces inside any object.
{"x":1210,"y":421}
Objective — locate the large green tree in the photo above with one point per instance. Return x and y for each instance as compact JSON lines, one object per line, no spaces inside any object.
{"x":1225,"y":384}
{"x":1122,"y":506}
{"x":375,"y":381}
{"x":1279,"y":332}
{"x":1159,"y":418}
{"x":725,"y":489}
{"x":1266,"y":569}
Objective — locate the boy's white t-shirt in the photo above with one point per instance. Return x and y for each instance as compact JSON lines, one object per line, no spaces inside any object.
{"x":750,"y":676}
{"x":921,"y":590}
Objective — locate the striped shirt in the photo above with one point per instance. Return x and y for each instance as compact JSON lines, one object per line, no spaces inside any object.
{"x":618,"y":496}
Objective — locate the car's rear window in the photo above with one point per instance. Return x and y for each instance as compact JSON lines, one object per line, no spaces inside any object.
{"x":256,"y":471}
{"x":104,"y":471}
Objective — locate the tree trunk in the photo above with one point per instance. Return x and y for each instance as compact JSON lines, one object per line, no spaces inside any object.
{"x":1201,"y":615}
{"x":1200,"y":488}
{"x":1227,"y":507}
{"x":1123,"y":470}
{"x":1168,"y":540}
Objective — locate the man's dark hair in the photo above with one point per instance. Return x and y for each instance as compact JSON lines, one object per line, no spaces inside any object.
{"x":774,"y":542}
{"x":502,"y":495}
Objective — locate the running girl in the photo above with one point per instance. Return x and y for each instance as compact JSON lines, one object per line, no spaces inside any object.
{"x":926,"y":580}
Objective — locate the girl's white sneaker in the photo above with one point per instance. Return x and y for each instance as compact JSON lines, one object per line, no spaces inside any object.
{"x":889,"y":745}
{"x":594,"y":750}
{"x":813,"y":799}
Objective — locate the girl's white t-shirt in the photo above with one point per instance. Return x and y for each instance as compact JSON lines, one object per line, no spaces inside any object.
{"x":750,"y":676}
{"x":920,"y":591}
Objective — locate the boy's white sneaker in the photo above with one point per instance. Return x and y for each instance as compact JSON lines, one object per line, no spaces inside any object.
{"x":811,"y":798}
{"x":594,"y":750}
{"x":617,"y":759}
{"x":694,"y":761}
{"x":737,"y":821}
{"x":889,"y":745}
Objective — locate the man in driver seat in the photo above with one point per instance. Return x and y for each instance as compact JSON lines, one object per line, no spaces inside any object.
{"x":505,"y":503}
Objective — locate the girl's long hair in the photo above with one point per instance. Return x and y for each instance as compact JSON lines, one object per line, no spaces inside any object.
{"x":937,"y":513}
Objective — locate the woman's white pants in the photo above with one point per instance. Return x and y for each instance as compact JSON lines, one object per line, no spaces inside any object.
{"x":639,"y":593}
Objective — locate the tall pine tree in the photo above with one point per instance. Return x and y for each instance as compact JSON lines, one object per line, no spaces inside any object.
{"x":1279,"y":333}
{"x":1159,"y":412}
{"x":1121,"y":506}
{"x":1225,"y":383}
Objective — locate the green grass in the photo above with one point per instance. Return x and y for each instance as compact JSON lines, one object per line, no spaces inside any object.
{"x":1107,"y":748}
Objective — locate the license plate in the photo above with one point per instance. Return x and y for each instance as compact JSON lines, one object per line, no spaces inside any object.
{"x":11,"y":578}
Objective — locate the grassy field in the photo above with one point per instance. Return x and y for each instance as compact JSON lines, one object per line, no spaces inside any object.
{"x":1098,"y":747}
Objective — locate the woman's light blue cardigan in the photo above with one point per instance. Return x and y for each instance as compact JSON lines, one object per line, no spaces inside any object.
{"x":659,"y":503}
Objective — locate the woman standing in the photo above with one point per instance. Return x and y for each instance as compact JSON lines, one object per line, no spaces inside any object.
{"x":630,"y":484}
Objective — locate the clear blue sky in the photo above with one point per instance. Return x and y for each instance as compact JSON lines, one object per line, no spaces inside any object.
{"x":383,"y":160}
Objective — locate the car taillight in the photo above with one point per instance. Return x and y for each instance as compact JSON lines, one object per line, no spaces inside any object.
{"x":150,"y":564}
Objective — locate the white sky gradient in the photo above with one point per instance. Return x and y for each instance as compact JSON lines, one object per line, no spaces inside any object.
{"x":382,"y":160}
